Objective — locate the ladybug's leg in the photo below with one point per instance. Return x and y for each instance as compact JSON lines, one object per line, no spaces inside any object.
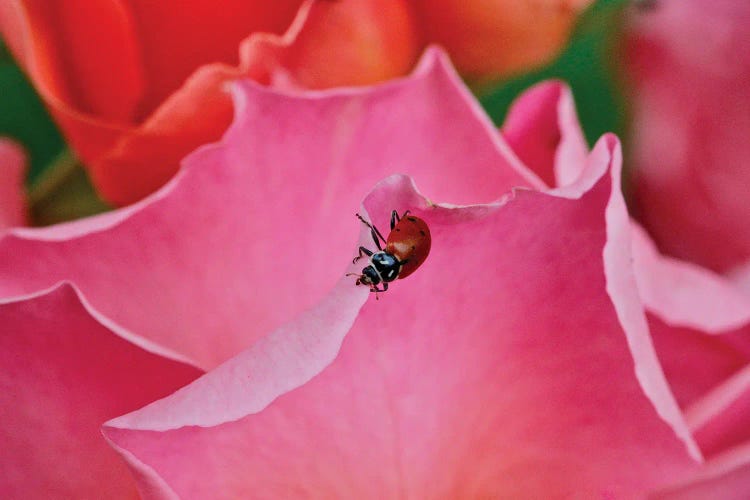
{"x":395,"y":218}
{"x":374,"y":289}
{"x":359,"y":278}
{"x":373,"y":231}
{"x":362,"y":252}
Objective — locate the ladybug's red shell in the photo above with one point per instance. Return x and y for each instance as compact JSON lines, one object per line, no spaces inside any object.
{"x":409,"y":242}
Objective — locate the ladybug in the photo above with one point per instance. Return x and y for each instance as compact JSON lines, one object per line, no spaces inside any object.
{"x":406,"y":248}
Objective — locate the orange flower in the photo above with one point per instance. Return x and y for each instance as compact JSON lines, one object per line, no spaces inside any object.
{"x":135,"y":85}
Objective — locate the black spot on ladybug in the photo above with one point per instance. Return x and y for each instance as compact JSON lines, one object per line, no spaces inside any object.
{"x":413,"y":247}
{"x":411,"y":219}
{"x":422,"y":233}
{"x":398,"y":230}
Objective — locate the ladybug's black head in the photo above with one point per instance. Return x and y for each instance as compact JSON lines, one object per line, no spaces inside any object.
{"x":370,"y":276}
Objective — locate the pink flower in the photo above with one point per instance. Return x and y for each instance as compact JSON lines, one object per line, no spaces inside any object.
{"x":689,"y":74}
{"x":690,"y":68}
{"x":517,"y":361}
{"x":699,"y":320}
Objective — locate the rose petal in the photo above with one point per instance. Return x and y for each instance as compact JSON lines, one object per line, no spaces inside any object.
{"x":726,"y":477}
{"x":65,"y":372}
{"x":542,"y":129}
{"x":219,"y":246}
{"x":688,"y":185}
{"x":688,"y":305}
{"x":740,"y":276}
{"x":719,"y":419}
{"x":12,"y":173}
{"x":690,"y":116}
{"x":196,"y":34}
{"x":694,"y":361}
{"x":684,"y":294}
{"x":499,"y":369}
{"x":700,"y":323}
{"x":370,"y":41}
{"x":623,"y":291}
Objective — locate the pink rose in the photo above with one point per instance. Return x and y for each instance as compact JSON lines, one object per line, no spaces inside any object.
{"x":136,"y":85}
{"x":698,"y":319}
{"x":690,"y":73}
{"x":517,"y":361}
